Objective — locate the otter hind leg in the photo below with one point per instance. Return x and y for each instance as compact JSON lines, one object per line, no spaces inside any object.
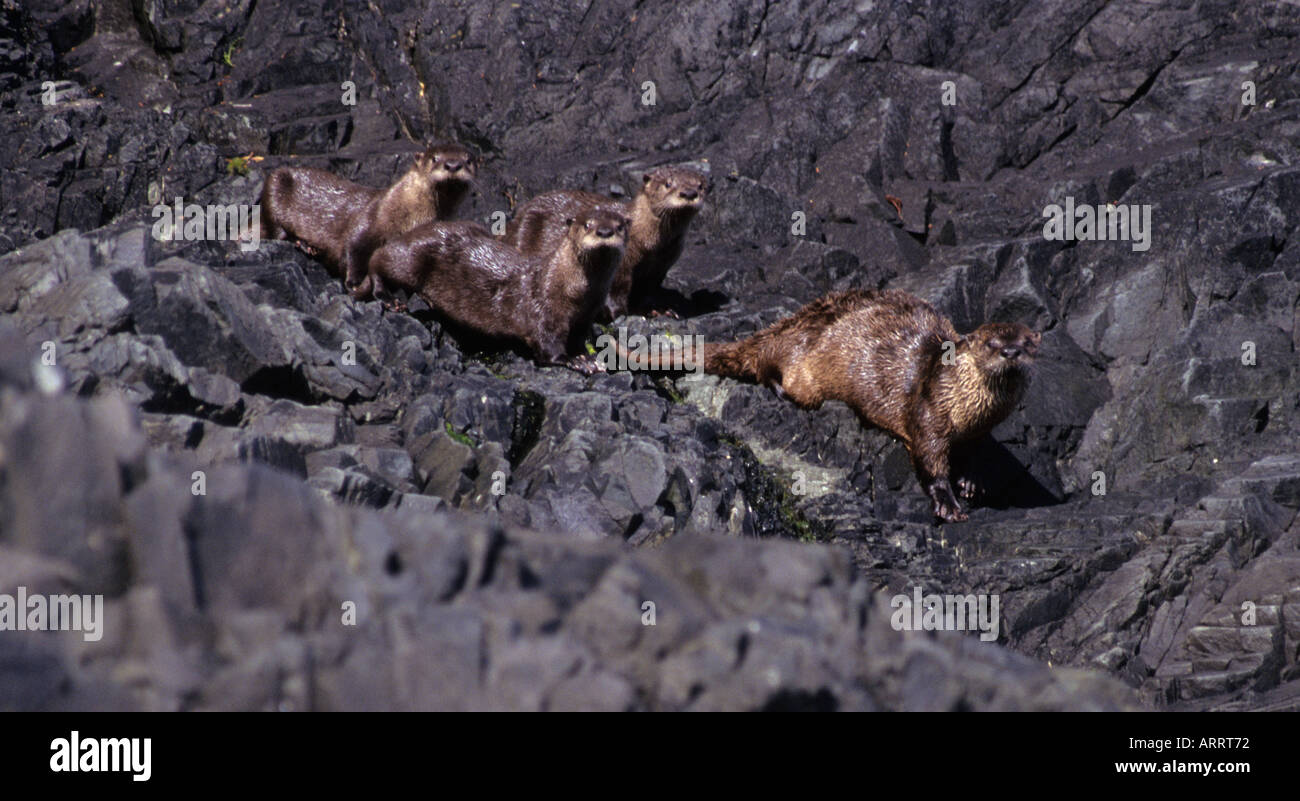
{"x":799,"y":385}
{"x":769,"y":375}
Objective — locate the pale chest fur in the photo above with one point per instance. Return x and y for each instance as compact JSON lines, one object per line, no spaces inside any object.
{"x":409,"y":204}
{"x":976,"y":402}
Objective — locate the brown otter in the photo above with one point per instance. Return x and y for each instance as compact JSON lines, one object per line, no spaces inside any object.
{"x":322,"y":212}
{"x":548,"y":303}
{"x":886,"y":355}
{"x":312,"y":208}
{"x":669,"y":199}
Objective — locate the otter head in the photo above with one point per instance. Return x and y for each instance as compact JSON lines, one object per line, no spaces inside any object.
{"x":447,"y":165}
{"x":674,"y":189}
{"x":597,"y":238}
{"x":598,"y":230}
{"x":1003,"y":348}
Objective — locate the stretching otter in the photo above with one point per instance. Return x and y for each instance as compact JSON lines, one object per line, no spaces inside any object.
{"x":886,"y":355}
{"x":548,"y":303}
{"x":323,"y":213}
{"x":669,"y":199}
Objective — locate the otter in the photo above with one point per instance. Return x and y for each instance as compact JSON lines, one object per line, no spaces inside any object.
{"x":659,"y":216}
{"x":899,"y":364}
{"x":431,"y":190}
{"x":322,"y":212}
{"x":547,"y":302}
{"x":312,"y":208}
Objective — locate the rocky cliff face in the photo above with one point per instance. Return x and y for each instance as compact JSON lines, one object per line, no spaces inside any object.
{"x":499,"y":527}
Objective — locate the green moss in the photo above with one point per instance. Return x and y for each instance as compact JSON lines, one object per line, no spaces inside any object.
{"x":237,"y":166}
{"x":670,"y":390}
{"x":800,"y":527}
{"x":462,"y":438}
{"x":228,"y":54}
{"x":530,"y":412}
{"x":775,"y":507}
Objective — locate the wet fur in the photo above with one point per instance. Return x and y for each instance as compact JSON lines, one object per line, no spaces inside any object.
{"x":339,"y":221}
{"x":312,"y":207}
{"x":425,"y":193}
{"x":546,"y":302}
{"x":658,"y":220}
{"x":881,"y":353}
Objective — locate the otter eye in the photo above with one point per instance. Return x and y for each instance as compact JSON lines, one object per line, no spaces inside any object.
{"x":993,"y":344}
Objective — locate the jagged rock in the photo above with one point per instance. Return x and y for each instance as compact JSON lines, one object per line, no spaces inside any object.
{"x":1141,"y":502}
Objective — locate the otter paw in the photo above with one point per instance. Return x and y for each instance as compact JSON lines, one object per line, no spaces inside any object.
{"x":966,"y":488}
{"x":585,"y":364}
{"x":669,"y":313}
{"x":946,"y":507}
{"x":950,"y":514}
{"x":395,"y":306}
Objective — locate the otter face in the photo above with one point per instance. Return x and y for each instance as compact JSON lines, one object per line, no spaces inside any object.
{"x":1000,"y":347}
{"x":599,"y":228}
{"x":448,"y":164}
{"x":675,"y":189}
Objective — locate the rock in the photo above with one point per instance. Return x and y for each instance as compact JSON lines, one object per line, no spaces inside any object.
{"x":231,"y":449}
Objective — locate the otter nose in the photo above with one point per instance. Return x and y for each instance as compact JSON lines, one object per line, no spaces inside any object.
{"x":1010,"y":352}
{"x":452,"y":166}
{"x":605,"y":231}
{"x":690,"y":194}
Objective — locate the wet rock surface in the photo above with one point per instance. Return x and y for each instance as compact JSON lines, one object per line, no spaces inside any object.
{"x":499,"y":526}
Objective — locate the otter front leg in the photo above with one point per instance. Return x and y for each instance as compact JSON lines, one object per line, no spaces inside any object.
{"x":934,"y":476}
{"x":374,"y":285}
{"x":929,"y":446}
{"x":551,"y":352}
{"x":585,"y":364}
{"x":356,"y":261}
{"x":945,"y":503}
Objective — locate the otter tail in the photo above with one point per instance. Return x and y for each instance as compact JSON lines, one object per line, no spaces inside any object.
{"x":729,"y":359}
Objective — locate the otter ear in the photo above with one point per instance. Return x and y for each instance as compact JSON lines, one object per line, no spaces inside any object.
{"x":1036,"y":337}
{"x":569,"y":221}
{"x":646,"y":179}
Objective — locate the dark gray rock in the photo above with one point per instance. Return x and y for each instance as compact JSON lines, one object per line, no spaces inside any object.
{"x":1135,"y":508}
